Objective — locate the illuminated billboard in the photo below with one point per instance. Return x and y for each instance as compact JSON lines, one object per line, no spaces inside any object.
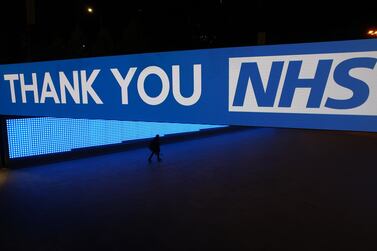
{"x":331,"y":85}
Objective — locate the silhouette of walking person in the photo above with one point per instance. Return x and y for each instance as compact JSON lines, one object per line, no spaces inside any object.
{"x":154,"y":146}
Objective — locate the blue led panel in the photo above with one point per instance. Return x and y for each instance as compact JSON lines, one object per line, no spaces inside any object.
{"x":37,"y":136}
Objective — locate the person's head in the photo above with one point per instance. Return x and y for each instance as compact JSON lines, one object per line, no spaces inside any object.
{"x":157,"y":136}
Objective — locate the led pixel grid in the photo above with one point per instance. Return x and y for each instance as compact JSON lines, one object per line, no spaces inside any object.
{"x":38,"y":136}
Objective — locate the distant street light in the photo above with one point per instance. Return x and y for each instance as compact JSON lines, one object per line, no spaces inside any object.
{"x":372,"y":33}
{"x":90,"y":10}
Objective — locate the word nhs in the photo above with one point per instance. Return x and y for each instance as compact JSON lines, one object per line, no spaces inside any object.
{"x":315,"y":83}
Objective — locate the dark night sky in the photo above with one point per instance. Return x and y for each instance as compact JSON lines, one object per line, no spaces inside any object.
{"x":119,"y":27}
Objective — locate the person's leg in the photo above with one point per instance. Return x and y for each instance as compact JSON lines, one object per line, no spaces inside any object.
{"x":150,"y":157}
{"x":158,"y":156}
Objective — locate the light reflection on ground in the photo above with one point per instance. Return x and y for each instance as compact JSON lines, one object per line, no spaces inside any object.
{"x":3,"y":176}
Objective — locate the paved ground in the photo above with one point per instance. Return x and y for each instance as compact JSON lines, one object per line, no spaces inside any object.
{"x":258,"y":189}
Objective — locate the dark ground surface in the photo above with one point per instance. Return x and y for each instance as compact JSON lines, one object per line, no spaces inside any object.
{"x":257,"y":189}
